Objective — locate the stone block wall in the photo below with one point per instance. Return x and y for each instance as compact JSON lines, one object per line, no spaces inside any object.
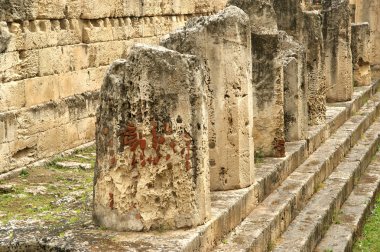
{"x":53,"y":58}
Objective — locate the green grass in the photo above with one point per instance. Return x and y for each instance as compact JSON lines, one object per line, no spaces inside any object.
{"x":370,"y":240}
{"x":60,"y":182}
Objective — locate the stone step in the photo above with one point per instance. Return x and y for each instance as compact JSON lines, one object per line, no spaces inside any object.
{"x":271,"y":217}
{"x":341,"y":235}
{"x":307,"y":229}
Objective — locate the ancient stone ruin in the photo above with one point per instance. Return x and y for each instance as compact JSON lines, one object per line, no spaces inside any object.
{"x":223,"y":42}
{"x":240,"y":125}
{"x":152,"y":158}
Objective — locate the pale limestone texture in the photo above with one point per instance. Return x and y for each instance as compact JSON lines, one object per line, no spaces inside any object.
{"x":312,"y":39}
{"x":261,"y":13}
{"x":224,"y":42}
{"x":361,"y":53}
{"x":152,"y":167}
{"x":337,"y":43}
{"x":54,"y":51}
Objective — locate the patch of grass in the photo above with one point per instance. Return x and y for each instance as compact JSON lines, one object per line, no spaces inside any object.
{"x":370,"y":239}
{"x":24,"y":173}
{"x":59,"y":183}
{"x":336,"y":217}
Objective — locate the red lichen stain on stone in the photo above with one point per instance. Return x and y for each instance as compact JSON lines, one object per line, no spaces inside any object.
{"x":156,"y":160}
{"x":143,"y":144}
{"x":279,"y":147}
{"x":111,"y":200}
{"x":135,"y":140}
{"x":113,"y":161}
{"x":161,"y":140}
{"x":168,"y":128}
{"x":172,"y":145}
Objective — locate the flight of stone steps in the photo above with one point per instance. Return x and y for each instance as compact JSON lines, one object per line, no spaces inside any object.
{"x":315,"y":198}
{"x":322,"y":203}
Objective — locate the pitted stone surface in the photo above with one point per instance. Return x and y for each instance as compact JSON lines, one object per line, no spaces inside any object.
{"x":361,"y":53}
{"x":261,"y":13}
{"x":368,"y":11}
{"x":5,"y":37}
{"x":337,"y":43}
{"x":312,"y":40}
{"x":223,"y":41}
{"x":268,"y":94}
{"x":152,"y":152}
{"x":295,"y":89}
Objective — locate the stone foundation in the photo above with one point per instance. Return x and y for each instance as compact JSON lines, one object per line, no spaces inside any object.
{"x":152,"y":167}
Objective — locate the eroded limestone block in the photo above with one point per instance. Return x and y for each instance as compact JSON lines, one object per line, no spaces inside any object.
{"x":337,"y":43}
{"x":261,"y":13}
{"x":223,"y":41}
{"x":361,"y":53}
{"x":295,"y":89}
{"x":312,"y":40}
{"x":268,"y":94}
{"x":152,"y":144}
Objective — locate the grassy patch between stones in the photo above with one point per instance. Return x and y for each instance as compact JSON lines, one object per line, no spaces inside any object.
{"x":370,"y":239}
{"x":50,"y":194}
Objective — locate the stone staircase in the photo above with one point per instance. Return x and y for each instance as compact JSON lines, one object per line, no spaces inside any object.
{"x":320,"y":204}
{"x":314,"y":199}
{"x":330,"y":179}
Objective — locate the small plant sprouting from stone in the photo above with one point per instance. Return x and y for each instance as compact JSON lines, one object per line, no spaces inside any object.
{"x":328,"y":250}
{"x":259,"y":156}
{"x":336,"y":217}
{"x":24,"y":173}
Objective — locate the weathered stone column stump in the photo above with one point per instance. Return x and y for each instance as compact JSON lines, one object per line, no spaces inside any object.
{"x":361,"y":53}
{"x":337,"y":43}
{"x":295,"y":89}
{"x":312,"y":39}
{"x":224,"y":42}
{"x":152,"y":168}
{"x":267,"y":78}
